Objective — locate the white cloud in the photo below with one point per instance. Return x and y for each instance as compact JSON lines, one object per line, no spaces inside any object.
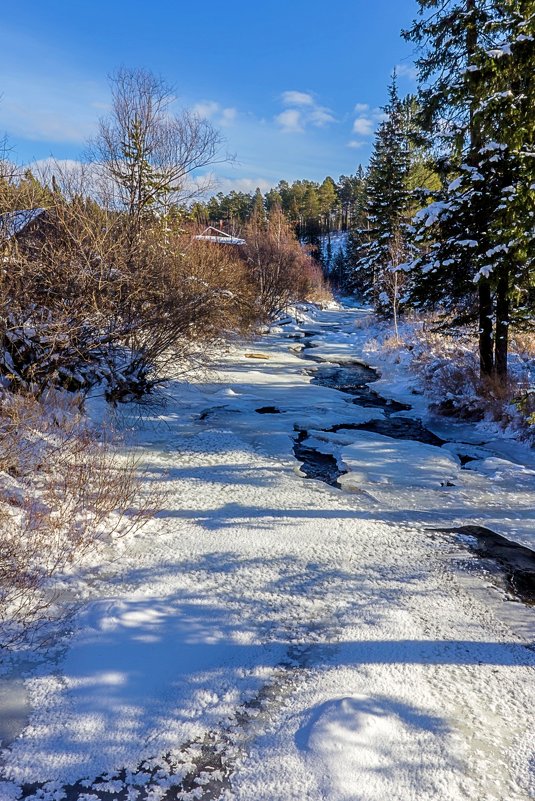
{"x":406,"y":71}
{"x":363,"y":126}
{"x":356,"y":143}
{"x":243,"y":184}
{"x":366,"y":122}
{"x":212,"y":110}
{"x":43,"y":166}
{"x":293,"y":98}
{"x":228,"y":116}
{"x":206,"y":108}
{"x":303,"y":111}
{"x":290,"y":121}
{"x":321,"y":116}
{"x":73,"y":176}
{"x":212,"y":182}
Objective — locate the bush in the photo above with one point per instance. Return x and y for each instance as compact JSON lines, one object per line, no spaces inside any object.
{"x":281,"y":270}
{"x":62,"y":489}
{"x":448,"y":367}
{"x":80,"y":305}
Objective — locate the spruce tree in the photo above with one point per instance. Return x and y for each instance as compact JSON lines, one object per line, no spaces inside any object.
{"x":476,"y":73}
{"x":378,"y":271}
{"x":507,"y":112}
{"x":358,"y":234}
{"x":258,"y":208}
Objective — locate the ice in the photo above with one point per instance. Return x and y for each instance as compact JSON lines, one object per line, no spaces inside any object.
{"x":375,"y":459}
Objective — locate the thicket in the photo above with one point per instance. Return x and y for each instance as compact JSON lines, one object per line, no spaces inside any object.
{"x":64,"y":488}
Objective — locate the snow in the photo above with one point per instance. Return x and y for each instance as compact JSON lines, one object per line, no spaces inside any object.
{"x":455,"y":184}
{"x":498,"y":52}
{"x":483,"y":272}
{"x":221,"y":240}
{"x":326,"y":639}
{"x":13,"y":222}
{"x":432,"y":213}
{"x":374,"y":459}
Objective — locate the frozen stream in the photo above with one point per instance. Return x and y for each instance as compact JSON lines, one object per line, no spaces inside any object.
{"x":269,"y":637}
{"x":514,"y":564}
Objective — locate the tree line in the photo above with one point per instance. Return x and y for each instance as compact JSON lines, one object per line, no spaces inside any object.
{"x":443,"y":218}
{"x":313,"y":208}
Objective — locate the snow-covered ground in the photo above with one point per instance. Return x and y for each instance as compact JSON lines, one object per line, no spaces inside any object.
{"x":269,"y":637}
{"x":338,"y":240}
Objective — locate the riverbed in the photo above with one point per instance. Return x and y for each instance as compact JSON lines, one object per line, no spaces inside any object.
{"x":311,"y":614}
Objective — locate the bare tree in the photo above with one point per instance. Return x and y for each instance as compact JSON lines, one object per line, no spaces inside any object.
{"x":148,"y":153}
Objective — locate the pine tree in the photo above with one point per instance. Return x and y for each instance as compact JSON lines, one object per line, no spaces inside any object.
{"x":258,"y":209}
{"x":378,"y":272}
{"x":358,"y":233}
{"x":477,"y":70}
{"x":349,"y":190}
{"x":328,"y":203}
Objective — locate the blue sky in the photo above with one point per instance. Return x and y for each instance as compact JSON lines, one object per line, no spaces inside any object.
{"x":294,"y":85}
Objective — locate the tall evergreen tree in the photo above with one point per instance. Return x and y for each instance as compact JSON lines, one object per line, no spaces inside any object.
{"x":258,"y":207}
{"x":358,"y":232}
{"x":507,"y":84}
{"x":377,"y":272}
{"x":328,"y":203}
{"x":350,"y":188}
{"x":476,"y":73}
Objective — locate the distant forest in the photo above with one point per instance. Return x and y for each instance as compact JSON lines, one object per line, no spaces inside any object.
{"x":443,"y":217}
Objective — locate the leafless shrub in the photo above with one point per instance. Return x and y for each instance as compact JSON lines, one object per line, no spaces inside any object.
{"x":183,"y":295}
{"x":78,"y":306}
{"x":449,"y":370}
{"x":62,"y":490}
{"x":279,"y":267}
{"x":317,"y":288}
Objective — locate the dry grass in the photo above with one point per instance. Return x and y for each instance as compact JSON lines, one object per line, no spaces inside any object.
{"x":62,"y":490}
{"x":523,"y":342}
{"x":321,"y":294}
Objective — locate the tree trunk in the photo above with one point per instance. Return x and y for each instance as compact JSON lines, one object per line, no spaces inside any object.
{"x":486,"y":360}
{"x":486,"y":351}
{"x":502,"y":326}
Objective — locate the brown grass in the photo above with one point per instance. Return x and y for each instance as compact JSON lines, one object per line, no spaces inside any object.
{"x":62,"y":490}
{"x":449,"y":369}
{"x":523,"y":342}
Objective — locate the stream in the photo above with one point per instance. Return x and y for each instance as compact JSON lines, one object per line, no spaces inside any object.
{"x":204,"y":767}
{"x":513,"y":564}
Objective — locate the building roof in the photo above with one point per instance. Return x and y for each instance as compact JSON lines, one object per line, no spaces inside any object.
{"x":13,"y":223}
{"x":212,"y":234}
